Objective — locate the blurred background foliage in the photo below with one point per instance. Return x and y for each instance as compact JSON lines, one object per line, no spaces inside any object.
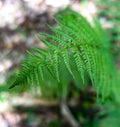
{"x":20,"y":23}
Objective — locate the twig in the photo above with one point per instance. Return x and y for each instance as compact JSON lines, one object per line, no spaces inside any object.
{"x":68,"y":116}
{"x":67,"y":113}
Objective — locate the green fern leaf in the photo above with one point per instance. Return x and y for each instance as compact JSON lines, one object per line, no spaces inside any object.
{"x":79,"y":62}
{"x":73,"y":45}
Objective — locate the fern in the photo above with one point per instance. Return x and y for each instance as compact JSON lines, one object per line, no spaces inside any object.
{"x":75,"y":49}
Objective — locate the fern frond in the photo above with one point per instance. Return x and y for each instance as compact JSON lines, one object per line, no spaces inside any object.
{"x":76,"y":43}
